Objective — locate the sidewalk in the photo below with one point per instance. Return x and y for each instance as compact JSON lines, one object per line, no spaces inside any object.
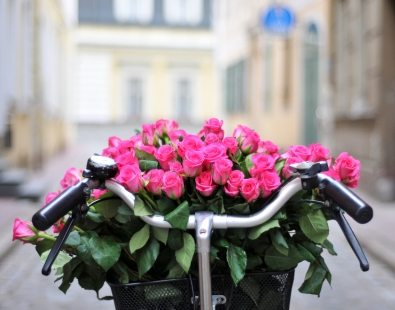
{"x":376,"y":237}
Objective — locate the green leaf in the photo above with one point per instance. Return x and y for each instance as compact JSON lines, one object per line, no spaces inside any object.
{"x":279,"y":241}
{"x":44,"y":245}
{"x":279,"y":166}
{"x":175,"y":271}
{"x":314,"y":225}
{"x":139,"y":239}
{"x":146,"y":165}
{"x":73,"y":239}
{"x":178,"y":218}
{"x":141,"y":155}
{"x":70,"y":271}
{"x":166,"y":205}
{"x":175,"y":239}
{"x":124,"y":210}
{"x":237,"y":260}
{"x":140,"y":208}
{"x":160,"y":234}
{"x":259,"y":230}
{"x":147,"y":256}
{"x":253,"y":261}
{"x":105,"y":251}
{"x":329,"y":246}
{"x":61,"y":260}
{"x":305,"y":253}
{"x":92,"y":278}
{"x":314,"y":279}
{"x":278,"y":261}
{"x":185,"y":254}
{"x":108,"y":208}
{"x":241,"y":208}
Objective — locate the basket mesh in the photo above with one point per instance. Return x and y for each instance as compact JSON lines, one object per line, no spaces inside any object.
{"x":271,"y":290}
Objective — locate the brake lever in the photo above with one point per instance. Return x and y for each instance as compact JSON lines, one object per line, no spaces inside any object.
{"x":76,"y":215}
{"x":351,"y":238}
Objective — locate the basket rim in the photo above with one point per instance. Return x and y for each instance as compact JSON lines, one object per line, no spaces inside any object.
{"x":163,"y":281}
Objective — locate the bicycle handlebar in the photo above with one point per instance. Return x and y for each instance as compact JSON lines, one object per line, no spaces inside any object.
{"x":348,"y":201}
{"x":61,"y":205}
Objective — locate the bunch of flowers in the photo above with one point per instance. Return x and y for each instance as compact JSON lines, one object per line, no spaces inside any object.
{"x":175,"y":173}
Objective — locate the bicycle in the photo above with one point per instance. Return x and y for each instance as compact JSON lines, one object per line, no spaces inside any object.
{"x":100,"y":171}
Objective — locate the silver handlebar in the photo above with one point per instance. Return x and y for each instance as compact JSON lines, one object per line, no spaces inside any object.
{"x":219,"y":221}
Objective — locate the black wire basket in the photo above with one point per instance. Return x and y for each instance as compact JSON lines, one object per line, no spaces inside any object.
{"x":267,"y":290}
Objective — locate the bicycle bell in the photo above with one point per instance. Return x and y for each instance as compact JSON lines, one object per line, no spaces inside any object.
{"x":100,"y":167}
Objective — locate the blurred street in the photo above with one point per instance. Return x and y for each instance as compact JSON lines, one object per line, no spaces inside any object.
{"x":23,"y":286}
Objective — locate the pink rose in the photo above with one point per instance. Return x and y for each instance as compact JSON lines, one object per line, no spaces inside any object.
{"x":260,"y":163}
{"x":148,"y":134}
{"x":286,"y":171}
{"x":301,"y":152}
{"x":318,"y":153}
{"x":204,"y":184}
{"x":127,"y":158}
{"x":269,"y":148}
{"x":269,"y":182}
{"x":97,"y":193}
{"x":176,"y":166}
{"x":51,"y":196}
{"x":111,"y":152}
{"x":231,"y":144}
{"x":177,"y":135}
{"x":172,"y":184}
{"x":221,"y":170}
{"x":190,"y":142}
{"x":23,"y":231}
{"x":58,"y":226}
{"x":250,"y":189}
{"x":153,"y":180}
{"x":193,"y":162}
{"x":247,"y":139}
{"x":213,"y":126}
{"x":233,"y":184}
{"x":214,"y":151}
{"x":130,"y":177}
{"x":71,"y":177}
{"x":165,"y":154}
{"x":149,"y":149}
{"x":164,"y":126}
{"x":211,"y":138}
{"x":348,"y":169}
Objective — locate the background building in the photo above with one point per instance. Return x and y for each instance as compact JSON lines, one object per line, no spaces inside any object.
{"x":363,"y":78}
{"x":34,"y":62}
{"x":139,"y":60}
{"x":277,"y":83}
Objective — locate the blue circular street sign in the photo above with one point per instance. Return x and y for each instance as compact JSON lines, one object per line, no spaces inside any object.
{"x":278,"y":19}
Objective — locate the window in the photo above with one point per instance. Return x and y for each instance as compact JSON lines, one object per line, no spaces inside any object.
{"x":183,"y":12}
{"x":183,"y":97}
{"x":236,"y":88}
{"x":134,"y":11}
{"x":135,"y":97}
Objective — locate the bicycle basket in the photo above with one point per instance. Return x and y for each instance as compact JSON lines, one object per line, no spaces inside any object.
{"x":268,"y":290}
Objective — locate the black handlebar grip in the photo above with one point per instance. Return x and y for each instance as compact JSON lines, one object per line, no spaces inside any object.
{"x":348,"y":201}
{"x":59,"y":207}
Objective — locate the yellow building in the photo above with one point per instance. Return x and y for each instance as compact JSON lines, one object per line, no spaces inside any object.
{"x":275,"y":82}
{"x":34,"y":64}
{"x":142,"y":60}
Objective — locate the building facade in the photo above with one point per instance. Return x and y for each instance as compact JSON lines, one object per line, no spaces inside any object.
{"x":363,"y":79}
{"x":139,"y":60}
{"x":34,"y":47}
{"x":276,"y":83}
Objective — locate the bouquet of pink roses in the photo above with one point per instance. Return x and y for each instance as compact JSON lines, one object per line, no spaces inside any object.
{"x":175,"y":173}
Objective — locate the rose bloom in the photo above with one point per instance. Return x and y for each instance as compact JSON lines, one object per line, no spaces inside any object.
{"x":204,"y":184}
{"x":51,"y":196}
{"x":214,"y":151}
{"x":233,"y":184}
{"x":213,"y":126}
{"x":231,"y":144}
{"x":130,"y":176}
{"x":269,"y":182}
{"x":172,"y":184}
{"x":270,"y":148}
{"x":261,"y":163}
{"x":23,"y":231}
{"x":247,"y":139}
{"x":286,"y":171}
{"x":71,"y":177}
{"x":221,"y":170}
{"x":301,"y":152}
{"x":97,"y":193}
{"x":250,"y":189}
{"x":193,"y":162}
{"x":148,"y":134}
{"x":127,"y":158}
{"x":165,"y":154}
{"x":318,"y":153}
{"x":164,"y":126}
{"x":111,"y":152}
{"x":348,"y":168}
{"x":153,"y":180}
{"x":176,"y":166}
{"x":58,"y":226}
{"x":177,"y":135}
{"x":211,"y":138}
{"x":190,"y":142}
